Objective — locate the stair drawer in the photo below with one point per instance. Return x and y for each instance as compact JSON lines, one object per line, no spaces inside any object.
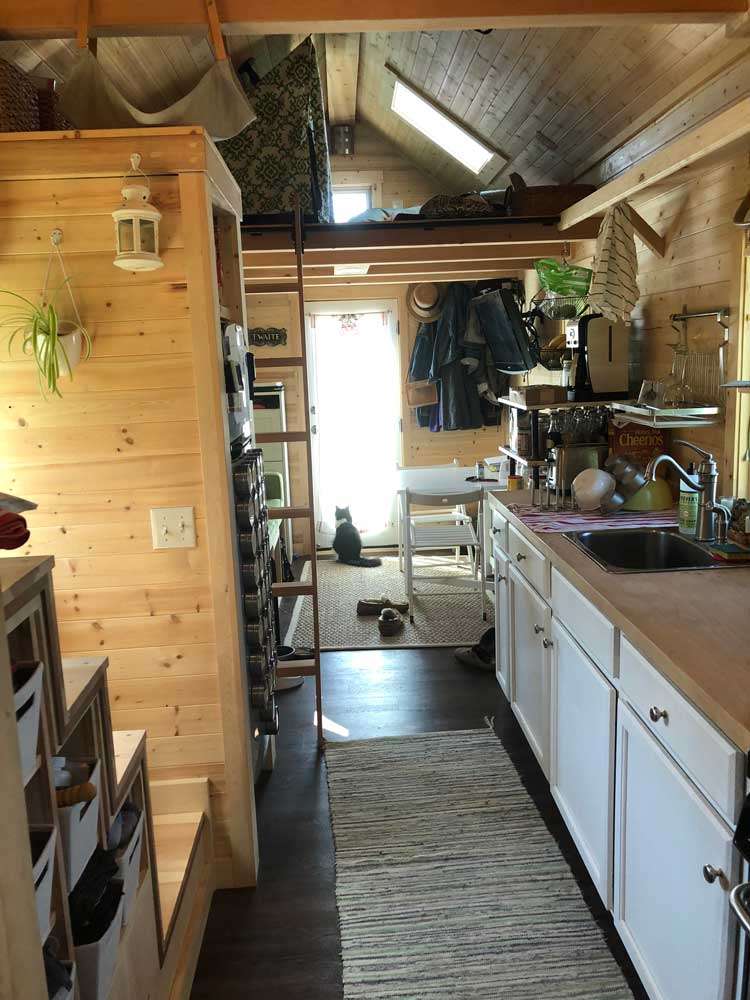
{"x":708,"y":757}
{"x":529,"y":561}
{"x":595,"y":633}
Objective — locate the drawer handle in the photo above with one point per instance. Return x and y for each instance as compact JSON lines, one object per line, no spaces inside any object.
{"x":658,"y":713}
{"x":520,"y":556}
{"x":547,"y":643}
{"x":538,"y":629}
{"x":711,"y":874}
{"x":501,"y":579}
{"x":497,"y":531}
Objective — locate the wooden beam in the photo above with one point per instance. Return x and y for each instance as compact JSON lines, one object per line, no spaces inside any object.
{"x":58,"y":18}
{"x":390,"y":270}
{"x":724,"y":134}
{"x":287,"y":287}
{"x":395,"y":235}
{"x":412,"y":255}
{"x":656,"y":243}
{"x":342,"y":71}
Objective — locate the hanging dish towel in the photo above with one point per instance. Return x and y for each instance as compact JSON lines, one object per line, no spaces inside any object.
{"x":217,"y":102}
{"x":614,"y":289}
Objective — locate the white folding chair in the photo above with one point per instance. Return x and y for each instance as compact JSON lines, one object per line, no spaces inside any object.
{"x":425,"y":477}
{"x":431,"y":535}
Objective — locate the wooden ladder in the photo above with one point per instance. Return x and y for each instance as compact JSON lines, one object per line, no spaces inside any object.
{"x":311,"y":667}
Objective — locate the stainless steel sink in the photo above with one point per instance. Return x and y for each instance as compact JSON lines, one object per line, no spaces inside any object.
{"x":644,"y":550}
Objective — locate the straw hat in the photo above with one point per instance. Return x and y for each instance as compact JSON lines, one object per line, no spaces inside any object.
{"x":425,"y":301}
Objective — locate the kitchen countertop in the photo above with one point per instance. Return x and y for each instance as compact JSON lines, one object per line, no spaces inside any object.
{"x":693,"y":626}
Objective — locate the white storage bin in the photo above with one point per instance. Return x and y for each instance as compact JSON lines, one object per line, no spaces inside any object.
{"x":97,"y":961}
{"x":43,"y":840}
{"x":27,"y":702}
{"x":79,"y":827}
{"x":129,"y":865}
{"x":68,"y":994}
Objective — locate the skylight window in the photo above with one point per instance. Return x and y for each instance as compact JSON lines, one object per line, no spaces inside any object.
{"x":438,"y":128}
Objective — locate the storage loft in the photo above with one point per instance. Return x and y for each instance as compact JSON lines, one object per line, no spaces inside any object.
{"x":166,"y":867}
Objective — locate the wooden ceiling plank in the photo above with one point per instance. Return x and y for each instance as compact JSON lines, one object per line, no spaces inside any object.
{"x":416,"y":255}
{"x":716,"y":57}
{"x":723,"y":134}
{"x":342,"y":73}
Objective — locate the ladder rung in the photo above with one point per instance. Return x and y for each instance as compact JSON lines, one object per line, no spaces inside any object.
{"x":281,"y":513}
{"x":279,"y":362}
{"x":295,"y":589}
{"x":279,"y":437}
{"x":297,"y":668}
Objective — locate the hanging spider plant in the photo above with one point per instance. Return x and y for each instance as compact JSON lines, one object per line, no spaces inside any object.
{"x":56,"y":345}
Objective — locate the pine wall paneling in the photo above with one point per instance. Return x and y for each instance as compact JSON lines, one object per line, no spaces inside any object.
{"x":125,"y":438}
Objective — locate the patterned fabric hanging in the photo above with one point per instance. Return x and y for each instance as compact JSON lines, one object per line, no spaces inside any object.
{"x":614,"y":288}
{"x":283,"y":154}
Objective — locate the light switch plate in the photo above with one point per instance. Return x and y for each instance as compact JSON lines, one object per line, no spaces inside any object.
{"x":173,"y":527}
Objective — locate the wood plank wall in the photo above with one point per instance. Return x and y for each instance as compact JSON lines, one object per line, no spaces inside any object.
{"x":123,"y":439}
{"x":401,"y":182}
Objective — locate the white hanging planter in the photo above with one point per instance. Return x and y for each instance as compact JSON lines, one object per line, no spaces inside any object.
{"x":69,"y":349}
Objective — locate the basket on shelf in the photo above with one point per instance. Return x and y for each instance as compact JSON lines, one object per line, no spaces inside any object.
{"x":561,"y":307}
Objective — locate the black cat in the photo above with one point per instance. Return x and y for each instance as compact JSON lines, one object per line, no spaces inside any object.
{"x":347,"y":543}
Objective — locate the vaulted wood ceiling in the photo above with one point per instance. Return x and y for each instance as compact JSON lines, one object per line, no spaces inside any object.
{"x":552,"y":99}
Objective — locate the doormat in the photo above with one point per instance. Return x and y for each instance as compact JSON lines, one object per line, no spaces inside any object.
{"x":443,"y":618}
{"x":449,"y":884}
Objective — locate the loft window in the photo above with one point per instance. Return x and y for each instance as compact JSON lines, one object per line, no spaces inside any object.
{"x":350,"y":201}
{"x":440,"y":129}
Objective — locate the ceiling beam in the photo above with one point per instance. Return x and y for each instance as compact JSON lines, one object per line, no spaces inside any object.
{"x":342,"y":72}
{"x":59,"y":18}
{"x":718,"y":137}
{"x":462,"y":267}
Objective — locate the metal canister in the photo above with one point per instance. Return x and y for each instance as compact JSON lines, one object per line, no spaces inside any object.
{"x":256,"y":634}
{"x":252,"y":571}
{"x":255,"y":606}
{"x":243,"y":485}
{"x":259,"y":696}
{"x":246,"y":514}
{"x":251,"y":544}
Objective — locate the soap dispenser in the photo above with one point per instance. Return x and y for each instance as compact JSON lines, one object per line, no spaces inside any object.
{"x":689,"y":503}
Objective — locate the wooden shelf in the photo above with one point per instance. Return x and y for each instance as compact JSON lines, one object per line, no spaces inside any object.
{"x":82,"y":678}
{"x":282,"y":513}
{"x":279,"y":362}
{"x":281,"y":437}
{"x":130,"y":751}
{"x":567,"y":405}
{"x":176,"y":838}
{"x":527,"y":462}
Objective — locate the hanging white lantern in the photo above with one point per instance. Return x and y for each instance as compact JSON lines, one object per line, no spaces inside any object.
{"x":137,"y":223}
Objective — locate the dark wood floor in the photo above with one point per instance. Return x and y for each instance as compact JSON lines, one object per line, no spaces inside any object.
{"x":281,"y":940}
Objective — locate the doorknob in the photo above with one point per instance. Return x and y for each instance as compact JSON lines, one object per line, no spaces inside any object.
{"x":538,"y":629}
{"x":711,"y":874}
{"x":314,"y":429}
{"x":546,"y":643}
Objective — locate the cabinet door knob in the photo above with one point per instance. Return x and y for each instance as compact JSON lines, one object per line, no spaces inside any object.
{"x":538,"y":629}
{"x":658,"y":713}
{"x":497,"y":531}
{"x":520,"y":556}
{"x":546,"y":643}
{"x":711,"y":874}
{"x":501,"y":579}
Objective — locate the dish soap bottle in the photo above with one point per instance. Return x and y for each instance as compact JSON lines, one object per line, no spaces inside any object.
{"x":688,"y":504}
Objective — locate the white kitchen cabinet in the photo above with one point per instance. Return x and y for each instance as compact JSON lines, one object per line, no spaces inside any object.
{"x":502,"y":620}
{"x":675,"y":924}
{"x":530,"y":658}
{"x":583,"y":706}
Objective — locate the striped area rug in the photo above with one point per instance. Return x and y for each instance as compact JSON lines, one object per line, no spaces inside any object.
{"x":448,"y":883}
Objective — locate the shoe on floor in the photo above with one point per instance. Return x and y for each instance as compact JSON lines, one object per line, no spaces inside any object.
{"x":475,"y":656}
{"x":390,"y":622}
{"x":374,"y":605}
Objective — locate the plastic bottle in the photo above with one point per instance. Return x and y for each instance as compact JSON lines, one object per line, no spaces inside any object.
{"x":688,"y":504}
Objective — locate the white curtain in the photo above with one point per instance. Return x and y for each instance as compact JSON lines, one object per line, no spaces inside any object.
{"x":357,"y":408}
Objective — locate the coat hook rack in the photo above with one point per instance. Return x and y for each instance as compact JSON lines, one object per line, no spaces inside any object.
{"x":720,"y":315}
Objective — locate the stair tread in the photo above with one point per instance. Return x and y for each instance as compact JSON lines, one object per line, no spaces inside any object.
{"x":175,"y":838}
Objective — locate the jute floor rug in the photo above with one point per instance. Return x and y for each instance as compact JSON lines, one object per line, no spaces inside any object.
{"x":444,"y":619}
{"x":448,"y":883}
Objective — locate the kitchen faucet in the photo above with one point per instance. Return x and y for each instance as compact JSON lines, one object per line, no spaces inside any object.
{"x":706,"y":529}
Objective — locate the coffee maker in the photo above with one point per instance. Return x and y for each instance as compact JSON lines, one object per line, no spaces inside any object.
{"x":600,"y":358}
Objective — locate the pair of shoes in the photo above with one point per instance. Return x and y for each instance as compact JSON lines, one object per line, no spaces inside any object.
{"x":374,"y":605}
{"x":390,"y":622}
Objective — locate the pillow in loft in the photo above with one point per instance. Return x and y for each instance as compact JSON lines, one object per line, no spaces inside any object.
{"x":217,"y":102}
